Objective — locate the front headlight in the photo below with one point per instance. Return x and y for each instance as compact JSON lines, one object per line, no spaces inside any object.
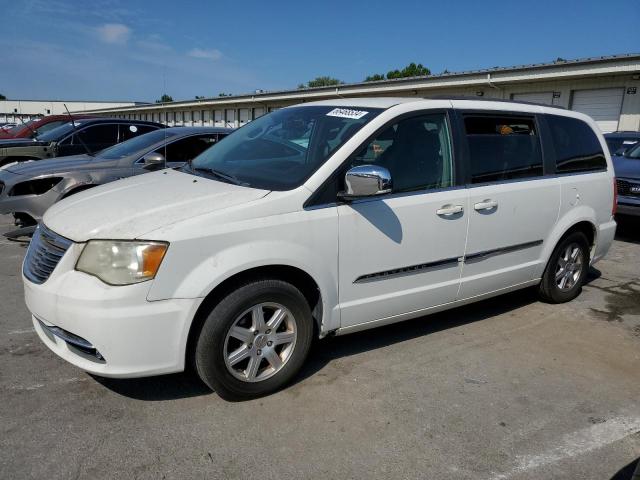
{"x":122,"y":262}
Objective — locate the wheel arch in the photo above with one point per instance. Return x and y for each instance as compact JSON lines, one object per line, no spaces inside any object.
{"x":582,"y":220}
{"x":302,"y":280}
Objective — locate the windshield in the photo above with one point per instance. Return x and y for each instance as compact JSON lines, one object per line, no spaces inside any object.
{"x":618,"y":145}
{"x":279,"y":151}
{"x":136,"y":144}
{"x":58,"y":132}
{"x":633,"y":152}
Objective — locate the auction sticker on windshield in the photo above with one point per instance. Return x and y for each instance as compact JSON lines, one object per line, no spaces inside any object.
{"x":347,"y":113}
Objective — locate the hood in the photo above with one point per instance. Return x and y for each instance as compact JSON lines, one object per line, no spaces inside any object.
{"x":20,"y":142}
{"x":129,"y":208}
{"x":626,"y":167}
{"x":50,"y":165}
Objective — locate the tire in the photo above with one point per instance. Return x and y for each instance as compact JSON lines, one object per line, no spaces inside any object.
{"x":553,"y":289}
{"x":253,"y":342}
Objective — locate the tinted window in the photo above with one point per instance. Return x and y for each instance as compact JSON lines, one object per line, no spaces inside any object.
{"x":130,"y":131}
{"x":416,"y":151}
{"x":188,"y":148}
{"x":99,"y":135}
{"x":618,"y":145}
{"x":576,"y":145}
{"x":136,"y":144}
{"x":503,"y":148}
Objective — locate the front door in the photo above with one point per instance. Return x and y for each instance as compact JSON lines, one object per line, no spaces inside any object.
{"x":401,"y":252}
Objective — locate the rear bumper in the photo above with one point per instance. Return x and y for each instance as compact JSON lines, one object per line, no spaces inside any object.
{"x":604,"y":239}
{"x":628,"y":205}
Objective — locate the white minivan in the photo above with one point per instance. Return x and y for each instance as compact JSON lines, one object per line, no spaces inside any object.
{"x":323,"y":218}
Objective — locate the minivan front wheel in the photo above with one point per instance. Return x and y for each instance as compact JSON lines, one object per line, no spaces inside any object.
{"x":254,"y":340}
{"x":567,"y":269}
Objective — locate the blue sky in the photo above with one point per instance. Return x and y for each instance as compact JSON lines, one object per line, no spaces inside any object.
{"x":136,"y":50}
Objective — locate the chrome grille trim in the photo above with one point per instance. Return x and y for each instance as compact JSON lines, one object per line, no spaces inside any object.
{"x":624,"y":187}
{"x":45,"y":251}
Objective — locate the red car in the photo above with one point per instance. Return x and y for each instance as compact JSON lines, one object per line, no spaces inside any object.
{"x":37,"y":127}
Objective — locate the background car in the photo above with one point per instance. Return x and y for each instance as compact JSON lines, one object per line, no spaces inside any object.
{"x":73,"y":138}
{"x":5,"y":127}
{"x":37,"y":127}
{"x":618,"y":142}
{"x":28,"y":189}
{"x":627,"y":168}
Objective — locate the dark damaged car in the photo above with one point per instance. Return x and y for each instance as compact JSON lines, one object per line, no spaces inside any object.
{"x":28,"y":189}
{"x":74,"y":138}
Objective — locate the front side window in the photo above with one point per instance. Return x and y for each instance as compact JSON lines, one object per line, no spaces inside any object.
{"x":186,"y":149}
{"x":280,"y":151}
{"x":502,"y":148}
{"x":416,"y":151}
{"x":576,"y":145}
{"x":136,"y":144}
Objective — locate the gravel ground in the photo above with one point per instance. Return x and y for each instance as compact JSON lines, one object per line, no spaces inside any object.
{"x":509,"y":388}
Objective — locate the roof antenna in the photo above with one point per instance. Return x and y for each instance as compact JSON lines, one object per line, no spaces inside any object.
{"x":75,"y":132}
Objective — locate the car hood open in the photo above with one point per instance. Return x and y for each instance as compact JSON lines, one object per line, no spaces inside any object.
{"x":129,"y":208}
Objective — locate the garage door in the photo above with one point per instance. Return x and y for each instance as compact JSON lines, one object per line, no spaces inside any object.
{"x":244,"y":116}
{"x":603,"y":105}
{"x":545,"y":98}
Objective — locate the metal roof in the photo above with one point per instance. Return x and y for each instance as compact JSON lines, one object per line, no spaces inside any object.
{"x":258,"y":95}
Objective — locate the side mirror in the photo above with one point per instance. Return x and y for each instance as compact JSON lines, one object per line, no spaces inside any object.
{"x":366,"y":181}
{"x":154,"y":159}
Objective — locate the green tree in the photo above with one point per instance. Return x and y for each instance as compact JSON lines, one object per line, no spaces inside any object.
{"x":321,"y":82}
{"x":222,"y":94}
{"x":198,"y":97}
{"x":2,"y":97}
{"x":411,"y":70}
{"x":165,"y":98}
{"x":374,"y":78}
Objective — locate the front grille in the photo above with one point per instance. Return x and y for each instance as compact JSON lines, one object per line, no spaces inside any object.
{"x":45,"y":251}
{"x":624,"y":187}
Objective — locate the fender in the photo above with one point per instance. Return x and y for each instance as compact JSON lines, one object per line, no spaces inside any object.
{"x":224,"y":264}
{"x":581,"y":213}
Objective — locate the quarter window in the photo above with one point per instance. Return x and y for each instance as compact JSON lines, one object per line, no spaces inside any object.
{"x":503,"y":148}
{"x":416,"y":151}
{"x":576,"y":145}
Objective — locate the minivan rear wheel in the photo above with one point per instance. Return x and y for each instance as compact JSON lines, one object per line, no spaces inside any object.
{"x":567,"y":269}
{"x":254,"y":340}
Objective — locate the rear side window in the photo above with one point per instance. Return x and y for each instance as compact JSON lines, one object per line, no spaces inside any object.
{"x":503,"y":148}
{"x":576,"y":145}
{"x":129,"y":131}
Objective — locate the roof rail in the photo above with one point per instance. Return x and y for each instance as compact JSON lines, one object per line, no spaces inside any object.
{"x":482,"y":99}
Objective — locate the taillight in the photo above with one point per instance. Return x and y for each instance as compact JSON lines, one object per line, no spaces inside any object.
{"x":614,"y":208}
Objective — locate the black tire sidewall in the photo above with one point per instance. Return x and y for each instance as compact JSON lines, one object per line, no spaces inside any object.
{"x":209,"y":353}
{"x":551,"y":290}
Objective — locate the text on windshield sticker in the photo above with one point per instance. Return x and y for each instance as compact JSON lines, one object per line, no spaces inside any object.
{"x":346,"y":113}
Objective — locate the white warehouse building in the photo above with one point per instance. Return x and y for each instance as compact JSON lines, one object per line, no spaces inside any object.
{"x":18,"y":111}
{"x":606,"y":88}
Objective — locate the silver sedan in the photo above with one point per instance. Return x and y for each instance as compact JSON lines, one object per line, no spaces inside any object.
{"x":28,"y":189}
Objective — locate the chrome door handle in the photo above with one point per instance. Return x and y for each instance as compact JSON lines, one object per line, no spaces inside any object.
{"x":485,"y":205}
{"x":448,"y":210}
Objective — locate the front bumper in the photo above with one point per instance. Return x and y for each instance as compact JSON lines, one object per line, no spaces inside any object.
{"x":32,"y":205}
{"x":133,"y":336}
{"x":628,"y":205}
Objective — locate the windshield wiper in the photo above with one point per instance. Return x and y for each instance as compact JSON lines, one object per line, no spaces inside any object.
{"x":224,"y":176}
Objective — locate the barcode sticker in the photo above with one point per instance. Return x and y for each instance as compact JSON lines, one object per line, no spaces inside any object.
{"x":347,"y":113}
